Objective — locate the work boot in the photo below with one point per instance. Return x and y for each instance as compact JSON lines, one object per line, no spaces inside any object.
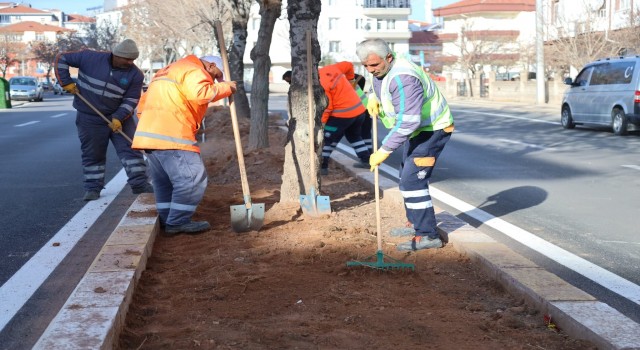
{"x":402,"y":232}
{"x":190,"y":227}
{"x":146,"y":188}
{"x":420,"y":242}
{"x":91,"y":195}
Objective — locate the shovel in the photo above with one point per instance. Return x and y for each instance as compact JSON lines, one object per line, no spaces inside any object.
{"x":249,"y":216}
{"x":312,"y":205}
{"x":103,"y":117}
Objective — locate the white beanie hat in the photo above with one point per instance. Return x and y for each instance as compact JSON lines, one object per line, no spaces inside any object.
{"x":126,"y":49}
{"x":214,"y":59}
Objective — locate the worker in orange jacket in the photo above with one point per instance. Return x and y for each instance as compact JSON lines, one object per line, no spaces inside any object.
{"x":170,"y":114}
{"x":344,"y":114}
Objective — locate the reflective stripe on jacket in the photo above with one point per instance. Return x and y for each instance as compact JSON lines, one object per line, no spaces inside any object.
{"x":113,"y":91}
{"x":172,"y":109}
{"x":434,"y":113}
{"x":344,"y":102}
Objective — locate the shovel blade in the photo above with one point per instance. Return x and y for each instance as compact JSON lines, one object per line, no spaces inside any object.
{"x":244,"y":220}
{"x":313,"y":205}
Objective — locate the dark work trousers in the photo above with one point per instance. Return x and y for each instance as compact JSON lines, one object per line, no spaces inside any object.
{"x":418,"y":159}
{"x":94,"y":134}
{"x":351,"y":128}
{"x":179,"y":182}
{"x":366,"y":131}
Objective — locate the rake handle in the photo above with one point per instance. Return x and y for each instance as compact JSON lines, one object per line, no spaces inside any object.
{"x":376,"y":183}
{"x":234,"y":120}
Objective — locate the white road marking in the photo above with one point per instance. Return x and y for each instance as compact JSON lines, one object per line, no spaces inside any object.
{"x":597,"y":274}
{"x":636,"y":167}
{"x":21,"y":286}
{"x":28,"y":123}
{"x":58,"y":115}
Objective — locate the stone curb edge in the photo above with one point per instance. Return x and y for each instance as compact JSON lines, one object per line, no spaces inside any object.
{"x":94,"y":314}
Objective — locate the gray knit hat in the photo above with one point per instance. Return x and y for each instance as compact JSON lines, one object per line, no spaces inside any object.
{"x":126,"y":49}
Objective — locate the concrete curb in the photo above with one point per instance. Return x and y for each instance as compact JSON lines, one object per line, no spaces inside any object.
{"x":94,"y":314}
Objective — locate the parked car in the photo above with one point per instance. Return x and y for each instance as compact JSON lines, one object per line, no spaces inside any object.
{"x":25,"y":88}
{"x":606,"y":92}
{"x":57,"y":89}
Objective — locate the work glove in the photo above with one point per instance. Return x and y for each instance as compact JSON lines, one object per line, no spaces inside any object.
{"x":71,"y":88}
{"x":373,"y":105}
{"x":115,"y":125}
{"x":377,"y":158}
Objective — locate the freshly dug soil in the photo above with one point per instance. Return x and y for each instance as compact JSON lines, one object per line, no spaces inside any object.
{"x":288,"y":286}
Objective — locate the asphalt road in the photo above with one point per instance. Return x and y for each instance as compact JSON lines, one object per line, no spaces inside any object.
{"x":551,"y":194}
{"x":565,"y":199}
{"x":41,"y":186}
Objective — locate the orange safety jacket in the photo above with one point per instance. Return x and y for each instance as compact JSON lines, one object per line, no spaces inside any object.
{"x":171,"y":111}
{"x":344,"y":102}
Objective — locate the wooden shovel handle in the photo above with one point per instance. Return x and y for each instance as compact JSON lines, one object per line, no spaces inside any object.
{"x":310,"y":105}
{"x":234,"y":119}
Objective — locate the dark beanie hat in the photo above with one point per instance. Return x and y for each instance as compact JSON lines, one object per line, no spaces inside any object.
{"x":126,"y":49}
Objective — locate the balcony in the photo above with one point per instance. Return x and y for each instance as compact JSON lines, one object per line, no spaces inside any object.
{"x":387,"y":8}
{"x":388,"y":35}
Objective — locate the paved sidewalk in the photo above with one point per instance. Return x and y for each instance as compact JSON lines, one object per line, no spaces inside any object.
{"x":94,"y":314}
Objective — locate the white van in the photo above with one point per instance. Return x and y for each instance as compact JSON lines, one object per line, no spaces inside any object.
{"x":606,"y":92}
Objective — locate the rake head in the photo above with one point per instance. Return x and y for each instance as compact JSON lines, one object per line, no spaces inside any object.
{"x":381,"y":264}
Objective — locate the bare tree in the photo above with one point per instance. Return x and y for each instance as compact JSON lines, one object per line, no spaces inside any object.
{"x":485,"y":47}
{"x":258,"y":137}
{"x":577,"y":37}
{"x":240,"y":10}
{"x":8,"y":49}
{"x":104,"y":37}
{"x":45,"y":52}
{"x":303,"y":16}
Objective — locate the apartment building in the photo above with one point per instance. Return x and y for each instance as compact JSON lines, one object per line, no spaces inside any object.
{"x":21,"y":26}
{"x":341,"y":26}
{"x":487,"y":35}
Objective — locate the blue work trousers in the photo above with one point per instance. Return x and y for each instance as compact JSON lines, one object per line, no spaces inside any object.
{"x":179,"y":182}
{"x":95,"y":133}
{"x":351,"y":128}
{"x":418,"y":159}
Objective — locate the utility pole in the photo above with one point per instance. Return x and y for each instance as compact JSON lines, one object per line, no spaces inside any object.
{"x":540,"y":76}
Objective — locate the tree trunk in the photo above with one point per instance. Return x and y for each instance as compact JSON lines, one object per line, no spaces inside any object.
{"x":303,"y":15}
{"x":258,"y":135}
{"x":240,"y":10}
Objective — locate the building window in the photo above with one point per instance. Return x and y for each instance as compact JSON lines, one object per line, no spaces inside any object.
{"x":359,"y":22}
{"x":40,"y":37}
{"x":391,"y":24}
{"x":334,"y":46}
{"x":5,"y":19}
{"x":333,"y":23}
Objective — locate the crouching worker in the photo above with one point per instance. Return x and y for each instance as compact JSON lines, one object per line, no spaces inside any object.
{"x":420,"y":120}
{"x":170,"y":114}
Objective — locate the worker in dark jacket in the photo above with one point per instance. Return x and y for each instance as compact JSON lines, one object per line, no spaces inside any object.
{"x":112,"y":83}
